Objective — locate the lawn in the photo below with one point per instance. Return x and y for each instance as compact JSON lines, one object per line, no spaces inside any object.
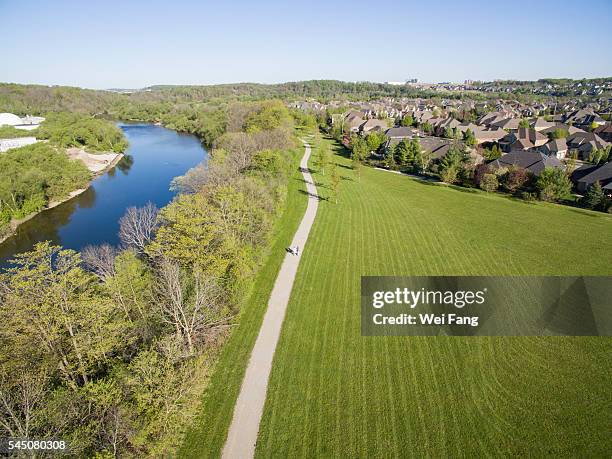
{"x":207,"y":434}
{"x":334,"y":393}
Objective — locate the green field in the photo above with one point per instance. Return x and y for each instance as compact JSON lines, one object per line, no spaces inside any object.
{"x":334,"y":393}
{"x":207,"y":435}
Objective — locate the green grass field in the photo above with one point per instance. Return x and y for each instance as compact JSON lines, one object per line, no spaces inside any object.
{"x":334,"y":393}
{"x":208,"y":433}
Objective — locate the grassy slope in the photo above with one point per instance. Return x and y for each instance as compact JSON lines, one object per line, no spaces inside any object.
{"x":207,"y":436}
{"x":335,"y":393}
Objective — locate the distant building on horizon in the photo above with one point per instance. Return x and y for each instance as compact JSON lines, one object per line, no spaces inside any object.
{"x":402,"y":83}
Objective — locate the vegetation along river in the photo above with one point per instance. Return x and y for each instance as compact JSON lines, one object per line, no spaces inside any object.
{"x":155,"y":156}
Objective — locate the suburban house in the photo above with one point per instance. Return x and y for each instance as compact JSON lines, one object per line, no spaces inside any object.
{"x":532,"y":160}
{"x":438,"y":147}
{"x":556,"y":147}
{"x":584,"y":118}
{"x":589,"y":174}
{"x":400,"y":133}
{"x":353,"y":120}
{"x":584,"y":143}
{"x":483,"y":135}
{"x":605,"y":132}
{"x":373,"y":125}
{"x":448,"y":123}
{"x":495,"y":117}
{"x":539,"y":124}
{"x":509,"y":124}
{"x":523,"y":139}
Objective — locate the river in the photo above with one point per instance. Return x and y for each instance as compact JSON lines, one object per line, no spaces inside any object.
{"x":155,"y":156}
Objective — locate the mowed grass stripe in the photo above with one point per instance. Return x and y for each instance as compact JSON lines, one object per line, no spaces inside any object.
{"x":439,"y":396}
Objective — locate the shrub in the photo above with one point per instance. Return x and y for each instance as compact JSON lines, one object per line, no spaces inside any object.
{"x":489,"y":182}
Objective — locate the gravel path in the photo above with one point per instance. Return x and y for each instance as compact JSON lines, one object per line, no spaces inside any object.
{"x":244,"y":428}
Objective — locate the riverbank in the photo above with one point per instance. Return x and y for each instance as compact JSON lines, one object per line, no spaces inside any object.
{"x":108,"y":160}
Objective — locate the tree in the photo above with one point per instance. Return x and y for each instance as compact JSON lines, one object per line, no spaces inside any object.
{"x":524,"y":123}
{"x":360,"y":147}
{"x":469,"y":138}
{"x":427,"y":127}
{"x":390,"y":161}
{"x":335,"y":182}
{"x":322,"y":157}
{"x":100,"y":259}
{"x":559,"y":133}
{"x":451,"y":164}
{"x":594,"y":197}
{"x":419,"y":159}
{"x":52,"y":302}
{"x":137,"y":227}
{"x":401,"y":154}
{"x":553,"y":185}
{"x":374,"y":140}
{"x":408,"y":121}
{"x":357,"y":166}
{"x":489,"y":182}
{"x":190,"y":301}
{"x":515,"y":178}
{"x":493,"y":153}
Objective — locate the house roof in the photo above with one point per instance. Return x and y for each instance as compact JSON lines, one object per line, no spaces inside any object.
{"x":541,"y":123}
{"x":532,"y":160}
{"x":601,"y":174}
{"x":556,"y":145}
{"x":373,"y":124}
{"x":581,"y":138}
{"x":508,"y":123}
{"x":399,"y":132}
{"x":583,"y":171}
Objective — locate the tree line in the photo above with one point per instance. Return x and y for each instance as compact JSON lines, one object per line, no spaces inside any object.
{"x":109,"y":348}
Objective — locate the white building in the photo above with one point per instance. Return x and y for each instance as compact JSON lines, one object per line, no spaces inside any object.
{"x":27,"y":123}
{"x":7,"y":144}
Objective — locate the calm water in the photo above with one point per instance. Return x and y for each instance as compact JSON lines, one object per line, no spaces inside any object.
{"x":155,"y":156}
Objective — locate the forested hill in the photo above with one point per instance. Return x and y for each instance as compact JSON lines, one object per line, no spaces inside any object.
{"x":40,"y":99}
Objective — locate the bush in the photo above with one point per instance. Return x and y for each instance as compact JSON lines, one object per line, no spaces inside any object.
{"x":489,"y":182}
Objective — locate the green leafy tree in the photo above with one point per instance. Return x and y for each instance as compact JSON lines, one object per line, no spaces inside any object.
{"x":359,"y":147}
{"x":357,"y":167}
{"x":594,"y":197}
{"x":401,"y":154}
{"x":408,"y":121}
{"x":451,"y":164}
{"x":469,"y":138}
{"x":553,"y":185}
{"x":390,"y":161}
{"x":334,"y":181}
{"x":559,"y":133}
{"x":524,"y":123}
{"x":374,"y":140}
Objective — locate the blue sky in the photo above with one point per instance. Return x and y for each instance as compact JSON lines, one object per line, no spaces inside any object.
{"x":136,"y":43}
